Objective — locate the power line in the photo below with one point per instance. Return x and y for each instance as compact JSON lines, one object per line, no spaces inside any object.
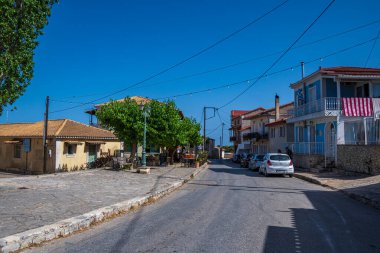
{"x":269,"y":74}
{"x":243,"y":62}
{"x":184,"y":60}
{"x":370,"y":52}
{"x":281,"y":56}
{"x":212,"y":131}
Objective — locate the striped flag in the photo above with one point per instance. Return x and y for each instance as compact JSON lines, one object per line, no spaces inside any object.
{"x":357,"y":107}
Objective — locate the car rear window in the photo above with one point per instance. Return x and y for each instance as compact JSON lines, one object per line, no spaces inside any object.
{"x":279,"y":157}
{"x":260,"y":157}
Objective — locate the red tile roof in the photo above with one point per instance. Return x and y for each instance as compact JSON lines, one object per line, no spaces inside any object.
{"x":60,"y":128}
{"x":235,"y":113}
{"x":343,"y":71}
{"x":277,"y":122}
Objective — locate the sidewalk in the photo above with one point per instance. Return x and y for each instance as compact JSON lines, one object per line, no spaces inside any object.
{"x":363,"y":188}
{"x":30,"y":204}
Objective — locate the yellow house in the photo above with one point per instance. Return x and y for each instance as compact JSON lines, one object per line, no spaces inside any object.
{"x":71,"y":145}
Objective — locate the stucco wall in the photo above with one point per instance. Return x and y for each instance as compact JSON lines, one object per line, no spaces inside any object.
{"x":359,"y":158}
{"x":277,"y":142}
{"x":31,"y":163}
{"x":79,"y":160}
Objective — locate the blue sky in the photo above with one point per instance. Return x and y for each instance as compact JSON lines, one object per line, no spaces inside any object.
{"x":93,"y":48}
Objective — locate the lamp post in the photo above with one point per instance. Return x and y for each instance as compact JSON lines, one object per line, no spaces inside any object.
{"x":145,"y":110}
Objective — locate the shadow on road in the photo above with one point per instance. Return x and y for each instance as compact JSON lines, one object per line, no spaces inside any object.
{"x":334,"y":225}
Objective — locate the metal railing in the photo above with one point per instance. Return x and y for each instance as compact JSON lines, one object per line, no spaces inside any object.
{"x":327,"y":103}
{"x":307,"y":148}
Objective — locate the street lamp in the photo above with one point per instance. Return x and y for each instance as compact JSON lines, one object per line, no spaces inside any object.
{"x":145,"y":110}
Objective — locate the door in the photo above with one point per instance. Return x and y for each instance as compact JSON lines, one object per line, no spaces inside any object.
{"x":330,"y":140}
{"x":91,"y":153}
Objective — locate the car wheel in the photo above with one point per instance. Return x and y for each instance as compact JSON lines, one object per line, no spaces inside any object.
{"x":290,"y":175}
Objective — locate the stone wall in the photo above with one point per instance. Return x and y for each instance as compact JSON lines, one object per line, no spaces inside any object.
{"x":307,"y":161}
{"x":359,"y":158}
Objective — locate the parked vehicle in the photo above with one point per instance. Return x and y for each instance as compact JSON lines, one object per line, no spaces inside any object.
{"x":277,"y":163}
{"x":255,"y":162}
{"x":236,"y":158}
{"x":244,"y":160}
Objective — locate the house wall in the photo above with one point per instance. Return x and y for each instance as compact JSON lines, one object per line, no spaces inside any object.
{"x":359,"y":159}
{"x":80,"y":158}
{"x":277,"y":142}
{"x":29,"y":163}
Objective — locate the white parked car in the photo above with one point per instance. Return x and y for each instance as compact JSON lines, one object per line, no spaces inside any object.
{"x":277,"y":163}
{"x":256,"y":162}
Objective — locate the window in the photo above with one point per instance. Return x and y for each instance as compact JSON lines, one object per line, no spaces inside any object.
{"x":300,"y":134}
{"x":71,"y":149}
{"x":273,"y":132}
{"x":376,"y":90}
{"x":17,"y":151}
{"x":282,"y":131}
{"x":280,"y":157}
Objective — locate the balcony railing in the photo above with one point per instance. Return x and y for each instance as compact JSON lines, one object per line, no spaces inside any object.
{"x":323,"y":104}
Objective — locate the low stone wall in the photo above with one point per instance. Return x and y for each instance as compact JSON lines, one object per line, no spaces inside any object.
{"x":359,"y":159}
{"x":307,"y":161}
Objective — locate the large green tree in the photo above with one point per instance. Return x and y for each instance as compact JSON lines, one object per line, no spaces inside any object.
{"x":125,"y":119}
{"x":21,"y":22}
{"x":166,"y":126}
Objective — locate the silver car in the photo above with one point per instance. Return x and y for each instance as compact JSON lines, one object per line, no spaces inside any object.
{"x":277,"y":163}
{"x":256,"y":162}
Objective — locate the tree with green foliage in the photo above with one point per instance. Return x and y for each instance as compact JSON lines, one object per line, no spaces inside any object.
{"x":21,"y":22}
{"x":125,"y":119}
{"x":166,"y":127}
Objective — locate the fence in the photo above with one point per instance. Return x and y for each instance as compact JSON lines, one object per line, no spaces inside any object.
{"x":327,"y":103}
{"x":311,"y":148}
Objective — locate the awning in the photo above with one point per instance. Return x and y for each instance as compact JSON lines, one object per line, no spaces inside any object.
{"x":95,"y":142}
{"x":13,"y":142}
{"x":74,"y":142}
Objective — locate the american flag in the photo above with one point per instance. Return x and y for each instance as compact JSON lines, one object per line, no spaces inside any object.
{"x":357,"y":107}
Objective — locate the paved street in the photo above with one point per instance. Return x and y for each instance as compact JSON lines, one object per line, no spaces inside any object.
{"x":29,"y":202}
{"x":230,"y":209}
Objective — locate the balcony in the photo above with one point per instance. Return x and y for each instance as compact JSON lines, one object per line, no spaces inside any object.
{"x":328,"y":106}
{"x":255,"y":136}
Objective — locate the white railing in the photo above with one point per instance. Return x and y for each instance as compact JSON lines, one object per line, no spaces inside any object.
{"x":310,"y":148}
{"x":319,"y":105}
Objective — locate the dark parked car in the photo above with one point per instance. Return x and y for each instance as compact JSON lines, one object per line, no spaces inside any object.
{"x":244,"y":160}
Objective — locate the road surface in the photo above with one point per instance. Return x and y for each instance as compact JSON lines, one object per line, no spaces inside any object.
{"x":232,"y":209}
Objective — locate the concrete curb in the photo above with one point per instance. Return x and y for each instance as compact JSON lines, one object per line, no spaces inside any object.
{"x":69,"y":226}
{"x":359,"y":197}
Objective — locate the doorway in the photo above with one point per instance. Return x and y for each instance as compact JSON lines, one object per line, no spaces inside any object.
{"x":330,"y":140}
{"x":92,"y":152}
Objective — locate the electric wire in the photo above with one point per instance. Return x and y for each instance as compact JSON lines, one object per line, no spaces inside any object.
{"x":245,"y":61}
{"x":182,"y":61}
{"x":281,"y":56}
{"x":249,"y":80}
{"x":370,"y":52}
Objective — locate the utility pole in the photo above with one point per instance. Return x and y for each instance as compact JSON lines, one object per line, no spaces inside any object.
{"x":204,"y":128}
{"x":221,"y":143}
{"x":44,"y":138}
{"x":303,"y":69}
{"x":204,"y":123}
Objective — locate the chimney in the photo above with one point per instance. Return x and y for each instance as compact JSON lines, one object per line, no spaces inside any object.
{"x":277,"y":106}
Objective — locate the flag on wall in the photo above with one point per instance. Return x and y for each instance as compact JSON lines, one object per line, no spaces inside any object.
{"x":357,"y":107}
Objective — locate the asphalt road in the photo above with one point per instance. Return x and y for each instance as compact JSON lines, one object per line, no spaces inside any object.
{"x":230,"y":209}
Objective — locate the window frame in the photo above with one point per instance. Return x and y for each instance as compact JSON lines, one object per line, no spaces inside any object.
{"x":17,"y":151}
